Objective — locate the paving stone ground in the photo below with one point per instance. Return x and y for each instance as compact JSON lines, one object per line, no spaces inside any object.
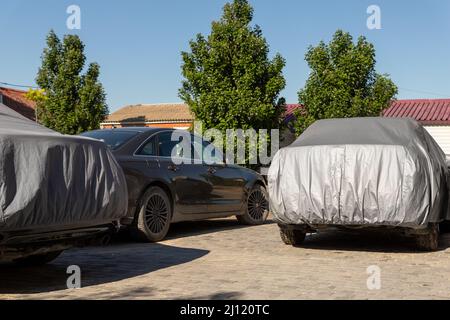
{"x":220,"y":259}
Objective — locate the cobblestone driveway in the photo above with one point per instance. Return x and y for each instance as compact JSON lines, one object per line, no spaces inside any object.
{"x":221,"y":260}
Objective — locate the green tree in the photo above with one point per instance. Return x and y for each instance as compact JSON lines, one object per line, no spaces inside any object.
{"x":74,"y":102}
{"x":230,"y":82}
{"x":343,"y":82}
{"x":36,"y":95}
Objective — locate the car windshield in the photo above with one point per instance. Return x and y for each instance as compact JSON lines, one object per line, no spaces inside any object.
{"x":113,"y":139}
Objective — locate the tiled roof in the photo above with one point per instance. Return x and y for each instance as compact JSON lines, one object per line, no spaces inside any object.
{"x":15,"y":99}
{"x":152,"y":113}
{"x":170,"y":112}
{"x":428,"y":112}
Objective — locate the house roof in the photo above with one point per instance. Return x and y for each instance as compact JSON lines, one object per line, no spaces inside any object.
{"x":427,"y":111}
{"x":169,"y":112}
{"x":16,"y":100}
{"x":289,"y":115}
{"x":431,"y":112}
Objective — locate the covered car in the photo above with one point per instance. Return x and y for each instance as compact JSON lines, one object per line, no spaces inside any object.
{"x":56,"y":191}
{"x":360,"y":172}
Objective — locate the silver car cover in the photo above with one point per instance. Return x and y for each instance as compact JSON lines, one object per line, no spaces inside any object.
{"x":360,"y":171}
{"x":52,"y":180}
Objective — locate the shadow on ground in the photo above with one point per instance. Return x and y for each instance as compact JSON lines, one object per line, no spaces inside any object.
{"x":384,"y":241}
{"x":99,"y":265}
{"x":192,"y":229}
{"x":217,"y":296}
{"x":123,"y":259}
{"x":195,"y":228}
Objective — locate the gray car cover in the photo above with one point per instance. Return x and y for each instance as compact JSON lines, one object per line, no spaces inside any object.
{"x":52,"y":180}
{"x":362,"y":171}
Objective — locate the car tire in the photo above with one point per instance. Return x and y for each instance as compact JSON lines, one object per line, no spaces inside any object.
{"x":257,"y":209}
{"x":154,"y":216}
{"x":430,"y":240}
{"x":292,"y":237}
{"x":38,"y":259}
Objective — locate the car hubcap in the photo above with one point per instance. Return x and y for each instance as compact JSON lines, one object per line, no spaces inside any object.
{"x":257,"y":205}
{"x":157,"y":214}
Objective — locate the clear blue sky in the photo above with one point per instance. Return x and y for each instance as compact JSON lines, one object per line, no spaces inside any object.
{"x":138,"y":42}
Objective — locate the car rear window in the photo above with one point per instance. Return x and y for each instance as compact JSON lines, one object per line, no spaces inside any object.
{"x":113,"y":139}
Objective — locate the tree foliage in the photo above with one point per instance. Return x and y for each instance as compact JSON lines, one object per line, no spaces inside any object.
{"x":343,"y":82}
{"x":74,"y":102}
{"x":36,"y":95}
{"x":230,"y":82}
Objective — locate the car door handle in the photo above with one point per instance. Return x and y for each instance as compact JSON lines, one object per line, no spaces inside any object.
{"x":212,"y":170}
{"x":173,"y":168}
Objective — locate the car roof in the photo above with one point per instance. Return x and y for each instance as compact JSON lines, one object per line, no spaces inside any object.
{"x":361,"y":131}
{"x":142,"y":133}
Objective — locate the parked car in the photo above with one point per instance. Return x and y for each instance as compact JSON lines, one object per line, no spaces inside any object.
{"x":361,"y":173}
{"x":162,"y":192}
{"x":56,"y":191}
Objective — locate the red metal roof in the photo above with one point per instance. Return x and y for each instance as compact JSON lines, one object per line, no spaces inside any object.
{"x":16,"y":100}
{"x":290,"y":109}
{"x":431,"y":112}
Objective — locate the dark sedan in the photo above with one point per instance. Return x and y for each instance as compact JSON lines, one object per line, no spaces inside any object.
{"x":163,"y":191}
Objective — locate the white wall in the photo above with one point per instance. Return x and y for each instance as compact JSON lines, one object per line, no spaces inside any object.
{"x":442,"y":136}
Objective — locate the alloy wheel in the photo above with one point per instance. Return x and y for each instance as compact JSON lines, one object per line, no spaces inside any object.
{"x":257,"y":205}
{"x":157,"y":214}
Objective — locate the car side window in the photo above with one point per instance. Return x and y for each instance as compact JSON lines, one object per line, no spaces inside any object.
{"x":149,"y":148}
{"x":197,"y":149}
{"x":210,"y":154}
{"x":166,"y":145}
